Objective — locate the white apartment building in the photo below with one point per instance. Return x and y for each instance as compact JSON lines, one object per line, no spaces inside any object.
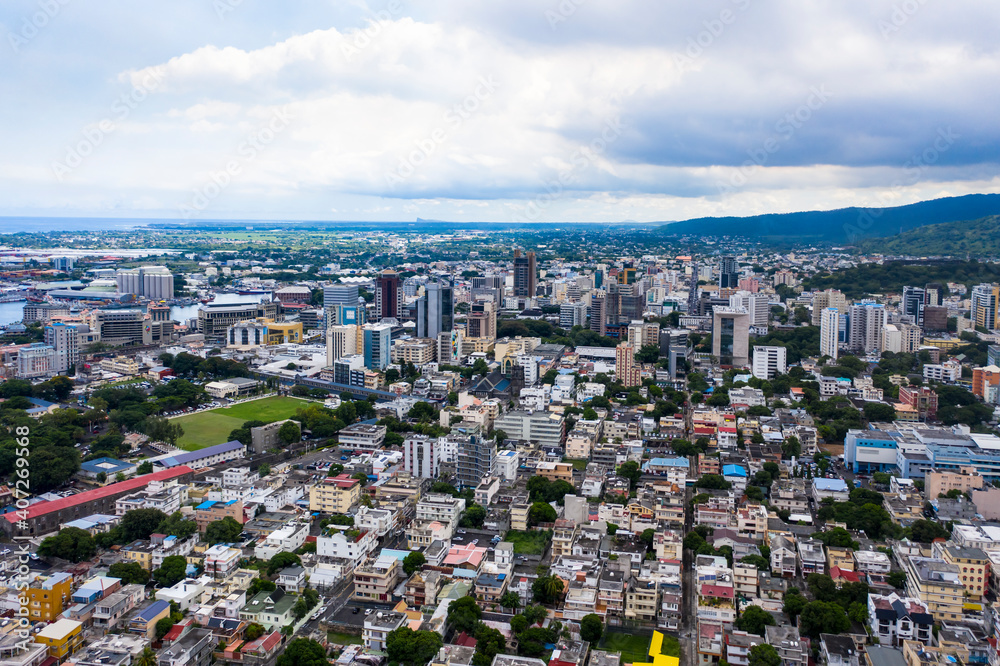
{"x":421,"y":456}
{"x":768,"y":362}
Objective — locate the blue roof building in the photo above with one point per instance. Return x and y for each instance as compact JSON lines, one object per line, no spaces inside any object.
{"x":207,"y":457}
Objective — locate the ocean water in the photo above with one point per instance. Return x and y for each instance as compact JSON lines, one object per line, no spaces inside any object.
{"x":10,"y":225}
{"x":11,"y":312}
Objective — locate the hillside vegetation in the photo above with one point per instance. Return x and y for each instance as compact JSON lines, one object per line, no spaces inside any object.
{"x":892,"y":276}
{"x":843,"y":226}
{"x":956,"y":239}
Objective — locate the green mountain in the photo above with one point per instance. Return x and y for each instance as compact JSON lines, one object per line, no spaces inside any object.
{"x":843,"y":226}
{"x":980,"y":238}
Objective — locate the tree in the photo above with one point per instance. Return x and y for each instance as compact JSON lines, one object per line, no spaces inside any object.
{"x":131,"y":573}
{"x":407,"y":647}
{"x":897,"y":579}
{"x":518,"y":623}
{"x":713,"y":482}
{"x":631,"y":471}
{"x":163,"y":626}
{"x":176,"y":525}
{"x":145,"y":658}
{"x":754,"y":619}
{"x":591,"y":628}
{"x":474,"y":516}
{"x":763,"y":655}
{"x":413,"y":562}
{"x":823,"y":617}
{"x":226,"y":530}
{"x":926,"y":531}
{"x":535,"y":614}
{"x":140,"y":523}
{"x":794,"y":602}
{"x":879,"y":411}
{"x":259,"y":585}
{"x":145,"y":467}
{"x":253,"y":632}
{"x":172,"y":571}
{"x":648,"y":354}
{"x":791,"y":447}
{"x":510,"y":600}
{"x":303,"y":652}
{"x":489,"y":643}
{"x":541,"y":512}
{"x":464,"y":615}
{"x":289,"y":432}
{"x":71,"y":543}
{"x":282,"y":560}
{"x":547,"y":589}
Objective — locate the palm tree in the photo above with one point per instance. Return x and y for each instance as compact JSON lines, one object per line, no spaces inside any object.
{"x":510,"y":600}
{"x":146,"y":658}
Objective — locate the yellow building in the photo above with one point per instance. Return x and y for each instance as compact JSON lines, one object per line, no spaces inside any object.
{"x":62,"y":638}
{"x":938,"y":584}
{"x":284,"y":332}
{"x":141,"y":553}
{"x":974,"y":567}
{"x":47,"y":595}
{"x":842,"y":558}
{"x":335,"y":494}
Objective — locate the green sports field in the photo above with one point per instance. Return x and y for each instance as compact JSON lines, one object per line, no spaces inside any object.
{"x":213,"y":427}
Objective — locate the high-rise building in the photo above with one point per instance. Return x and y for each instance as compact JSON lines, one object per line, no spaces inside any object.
{"x":378,"y":343}
{"x":912,"y":304}
{"x":643,"y":333}
{"x":488,"y":286}
{"x":154,"y":282}
{"x":436,"y":310}
{"x":476,"y":456}
{"x":829,"y":332}
{"x":598,"y":322}
{"x":340,"y":294}
{"x":831,"y":298}
{"x":122,"y":327}
{"x":341,"y":341}
{"x":769,"y":362}
{"x":985,"y":303}
{"x":867,"y":321}
{"x":420,"y":456}
{"x":729,"y":273}
{"x":758,"y":305}
{"x":625,"y":370}
{"x":572,"y":314}
{"x":65,"y":340}
{"x":388,"y":304}
{"x":525,"y":275}
{"x":674,"y":345}
{"x":482,"y":321}
{"x":731,"y":336}
{"x":901,"y":338}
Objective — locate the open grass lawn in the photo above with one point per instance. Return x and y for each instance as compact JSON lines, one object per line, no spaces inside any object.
{"x":529,"y":543}
{"x":266,"y":409}
{"x":578,"y":464}
{"x":344,"y":639}
{"x":213,"y":427}
{"x":632,"y":648}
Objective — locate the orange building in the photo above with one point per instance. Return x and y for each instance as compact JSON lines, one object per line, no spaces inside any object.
{"x":982,"y":378}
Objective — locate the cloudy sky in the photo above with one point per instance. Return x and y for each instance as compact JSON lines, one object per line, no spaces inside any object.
{"x":506,"y":110}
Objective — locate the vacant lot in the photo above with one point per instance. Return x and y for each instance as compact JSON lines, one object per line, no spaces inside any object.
{"x":213,"y":427}
{"x":529,"y":543}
